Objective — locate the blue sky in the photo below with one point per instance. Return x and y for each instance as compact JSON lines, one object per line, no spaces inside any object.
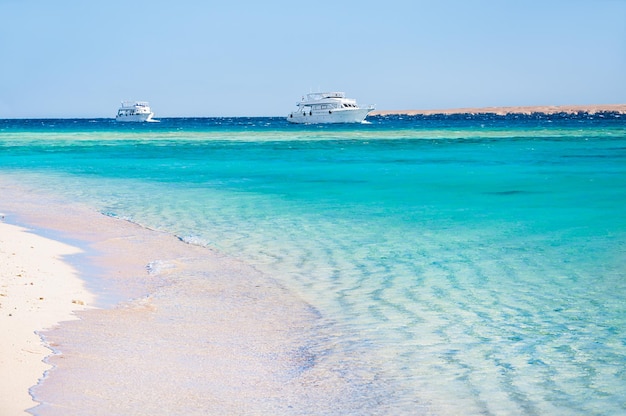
{"x":77,"y":58}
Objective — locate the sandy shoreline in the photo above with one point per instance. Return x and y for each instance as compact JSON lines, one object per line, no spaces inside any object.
{"x":568,"y":109}
{"x":194,"y":329}
{"x":37,"y":291}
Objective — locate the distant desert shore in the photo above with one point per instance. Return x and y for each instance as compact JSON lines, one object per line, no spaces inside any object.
{"x":548,"y":109}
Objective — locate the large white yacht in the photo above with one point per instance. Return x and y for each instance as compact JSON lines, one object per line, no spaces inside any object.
{"x":328,"y":107}
{"x":137,"y":111}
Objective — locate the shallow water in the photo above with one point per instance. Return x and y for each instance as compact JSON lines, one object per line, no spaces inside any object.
{"x":455,"y":265}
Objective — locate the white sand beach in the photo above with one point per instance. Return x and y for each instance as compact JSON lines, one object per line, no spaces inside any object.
{"x":37,"y":291}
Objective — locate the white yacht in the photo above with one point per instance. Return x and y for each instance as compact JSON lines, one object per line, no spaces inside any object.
{"x":328,"y":107}
{"x":137,"y":111}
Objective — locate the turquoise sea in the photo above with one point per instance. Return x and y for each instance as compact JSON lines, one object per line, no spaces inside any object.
{"x":474,"y":264}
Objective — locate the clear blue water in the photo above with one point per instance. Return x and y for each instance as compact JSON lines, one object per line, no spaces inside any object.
{"x":479,"y":261}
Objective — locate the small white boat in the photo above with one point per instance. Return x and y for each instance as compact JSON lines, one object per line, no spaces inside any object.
{"x":137,"y":111}
{"x":328,"y":107}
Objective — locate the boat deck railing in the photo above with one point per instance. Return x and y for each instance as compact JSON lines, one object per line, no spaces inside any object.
{"x":135,"y":104}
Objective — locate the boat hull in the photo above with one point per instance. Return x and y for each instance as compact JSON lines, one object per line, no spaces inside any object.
{"x":356,"y":115}
{"x":136,"y":118}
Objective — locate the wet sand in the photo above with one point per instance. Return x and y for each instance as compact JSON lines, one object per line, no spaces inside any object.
{"x":194,"y":332}
{"x":568,"y":109}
